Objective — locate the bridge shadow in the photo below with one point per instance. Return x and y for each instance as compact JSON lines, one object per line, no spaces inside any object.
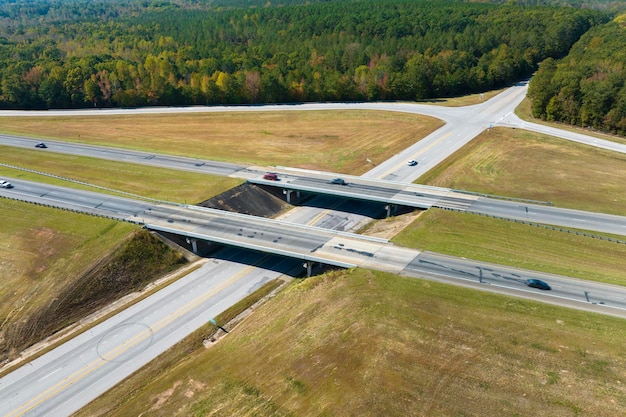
{"x":292,"y":267}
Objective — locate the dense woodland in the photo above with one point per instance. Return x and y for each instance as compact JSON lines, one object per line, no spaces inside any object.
{"x":102,"y":53}
{"x":588,"y":87}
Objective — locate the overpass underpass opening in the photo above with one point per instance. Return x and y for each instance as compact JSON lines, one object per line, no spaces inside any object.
{"x":291,"y":266}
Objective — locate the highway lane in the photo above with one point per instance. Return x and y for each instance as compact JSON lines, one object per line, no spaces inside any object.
{"x":365,"y":189}
{"x":581,"y":294}
{"x":67,"y":378}
{"x":79,"y":200}
{"x":311,"y":243}
{"x":423,"y":196}
{"x":545,"y":214}
{"x":126,"y":155}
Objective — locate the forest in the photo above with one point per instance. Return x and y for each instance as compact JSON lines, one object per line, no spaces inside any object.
{"x":128,"y":53}
{"x":588,"y":87}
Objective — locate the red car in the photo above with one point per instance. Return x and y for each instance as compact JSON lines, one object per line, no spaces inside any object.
{"x":270,"y":176}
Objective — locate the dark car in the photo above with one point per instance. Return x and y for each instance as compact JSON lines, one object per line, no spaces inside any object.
{"x":41,"y":145}
{"x":271,"y":176}
{"x":537,"y":283}
{"x":338,"y":181}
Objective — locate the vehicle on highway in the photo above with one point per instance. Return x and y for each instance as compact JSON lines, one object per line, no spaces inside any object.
{"x":537,"y":283}
{"x":5,"y":184}
{"x":41,"y":145}
{"x":338,"y":181}
{"x":271,"y":176}
{"x":412,"y":163}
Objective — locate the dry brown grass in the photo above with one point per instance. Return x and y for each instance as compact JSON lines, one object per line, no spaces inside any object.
{"x":43,"y":249}
{"x":524,"y":164}
{"x":364,"y":343}
{"x":338,"y":141}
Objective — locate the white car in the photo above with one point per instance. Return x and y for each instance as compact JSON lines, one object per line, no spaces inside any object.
{"x":412,"y":163}
{"x":5,"y":184}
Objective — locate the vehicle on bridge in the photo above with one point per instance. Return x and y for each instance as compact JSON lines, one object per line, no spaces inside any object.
{"x":338,"y":181}
{"x":272,"y":176}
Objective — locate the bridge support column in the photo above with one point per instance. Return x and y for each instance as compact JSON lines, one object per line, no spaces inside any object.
{"x":391,"y":208}
{"x":194,"y":244}
{"x":288,"y":195}
{"x":309,"y":268}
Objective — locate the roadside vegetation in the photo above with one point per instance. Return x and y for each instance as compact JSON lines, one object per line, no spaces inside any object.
{"x":368,"y":343}
{"x":135,"y":53}
{"x":523,"y":164}
{"x":335,"y":141}
{"x":58,"y":266}
{"x":523,"y":246}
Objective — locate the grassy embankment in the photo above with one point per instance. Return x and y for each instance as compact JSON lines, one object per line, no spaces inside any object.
{"x":370,"y":344}
{"x":56,"y":269}
{"x":528,"y":165}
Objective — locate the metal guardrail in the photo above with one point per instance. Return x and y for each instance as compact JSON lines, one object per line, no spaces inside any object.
{"x":501,"y":197}
{"x":545,"y":226}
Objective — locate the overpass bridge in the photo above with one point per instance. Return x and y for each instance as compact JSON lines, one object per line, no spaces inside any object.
{"x":391,"y":193}
{"x":310,"y":244}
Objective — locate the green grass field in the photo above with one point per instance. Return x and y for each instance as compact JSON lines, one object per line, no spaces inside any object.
{"x":365,"y":343}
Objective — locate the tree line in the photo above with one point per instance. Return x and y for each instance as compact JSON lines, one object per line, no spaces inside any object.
{"x":164,"y":53}
{"x":588,"y":87}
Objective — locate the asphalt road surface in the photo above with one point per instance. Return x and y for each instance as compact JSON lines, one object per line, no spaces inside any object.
{"x":70,"y":376}
{"x":67,"y":378}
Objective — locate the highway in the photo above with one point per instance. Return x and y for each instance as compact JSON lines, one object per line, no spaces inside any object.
{"x":67,"y":378}
{"x":63,"y":380}
{"x":361,"y":188}
{"x":312,"y":244}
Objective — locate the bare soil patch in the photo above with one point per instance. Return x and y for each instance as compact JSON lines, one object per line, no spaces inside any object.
{"x":250,"y":199}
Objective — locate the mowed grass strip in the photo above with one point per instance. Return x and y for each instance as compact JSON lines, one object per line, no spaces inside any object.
{"x":366,"y":343}
{"x":519,"y":245}
{"x":143,"y":180}
{"x":337,"y":141}
{"x":523,"y":164}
